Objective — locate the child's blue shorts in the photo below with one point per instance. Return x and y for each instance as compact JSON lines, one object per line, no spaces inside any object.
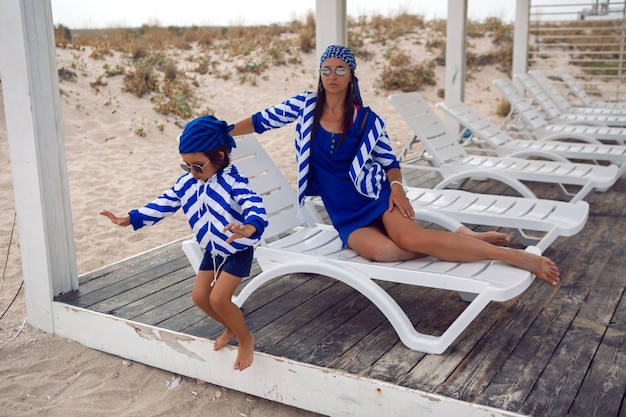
{"x":237,"y":264}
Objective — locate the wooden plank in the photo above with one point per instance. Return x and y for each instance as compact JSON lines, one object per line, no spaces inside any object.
{"x":313,"y":334}
{"x":570,"y":363}
{"x":166,"y":310}
{"x":517,"y":375}
{"x":156,"y":253}
{"x":159,"y":284}
{"x":135,"y":266}
{"x":266,"y":295}
{"x":432,"y":370}
{"x":334,"y":343}
{"x":272,"y":325}
{"x":279,"y":296}
{"x":604,"y":387}
{"x":381,"y":339}
{"x":489,"y":363}
{"x":134,"y":279}
{"x":152,"y":300}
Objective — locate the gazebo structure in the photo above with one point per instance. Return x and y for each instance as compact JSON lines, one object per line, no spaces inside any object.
{"x":30,"y":87}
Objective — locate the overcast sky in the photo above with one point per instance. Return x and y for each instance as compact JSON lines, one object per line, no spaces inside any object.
{"x":78,"y":14}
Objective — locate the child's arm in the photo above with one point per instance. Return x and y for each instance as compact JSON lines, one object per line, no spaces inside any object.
{"x":120,"y":221}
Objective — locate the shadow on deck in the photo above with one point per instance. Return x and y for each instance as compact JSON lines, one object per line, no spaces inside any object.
{"x":549,"y":352}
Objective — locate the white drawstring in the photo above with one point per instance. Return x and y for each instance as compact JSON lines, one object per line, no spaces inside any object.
{"x":216,"y":270}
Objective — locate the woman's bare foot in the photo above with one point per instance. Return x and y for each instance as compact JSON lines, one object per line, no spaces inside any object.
{"x":245,"y":353}
{"x":223,"y":340}
{"x":495,"y":238}
{"x":543,"y":268}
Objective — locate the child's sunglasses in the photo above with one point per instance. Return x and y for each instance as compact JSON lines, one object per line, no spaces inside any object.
{"x":197,"y":168}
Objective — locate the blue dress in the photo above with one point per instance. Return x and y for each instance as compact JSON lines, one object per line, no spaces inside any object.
{"x":329,"y":178}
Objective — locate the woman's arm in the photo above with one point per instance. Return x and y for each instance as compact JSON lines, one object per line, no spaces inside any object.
{"x":243,"y":127}
{"x":398,"y":197}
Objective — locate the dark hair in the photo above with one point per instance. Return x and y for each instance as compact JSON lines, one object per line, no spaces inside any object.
{"x":348,"y":108}
{"x":219,"y":157}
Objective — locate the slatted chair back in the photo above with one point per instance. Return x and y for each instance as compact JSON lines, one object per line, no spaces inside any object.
{"x":438,"y":141}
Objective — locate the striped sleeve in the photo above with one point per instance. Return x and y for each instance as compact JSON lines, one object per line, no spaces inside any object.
{"x":163,"y":206}
{"x":278,"y":116}
{"x":383,"y":153}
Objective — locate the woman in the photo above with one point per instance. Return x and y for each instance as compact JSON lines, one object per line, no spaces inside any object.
{"x":344,"y":156}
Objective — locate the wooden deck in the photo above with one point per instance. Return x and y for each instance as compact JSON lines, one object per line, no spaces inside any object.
{"x":549,"y":352}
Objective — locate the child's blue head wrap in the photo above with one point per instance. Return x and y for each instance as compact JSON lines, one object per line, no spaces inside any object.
{"x":205,"y":134}
{"x":346,"y":55}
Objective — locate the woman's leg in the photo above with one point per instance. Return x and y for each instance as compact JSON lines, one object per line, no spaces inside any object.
{"x":456,"y":247}
{"x":372,"y":243}
{"x":493,"y":237}
{"x":221,"y":302}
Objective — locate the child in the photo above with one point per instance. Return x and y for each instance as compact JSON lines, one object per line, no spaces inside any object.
{"x":226,"y":217}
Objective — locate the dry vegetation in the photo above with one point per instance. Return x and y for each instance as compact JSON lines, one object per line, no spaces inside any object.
{"x":246,"y":53}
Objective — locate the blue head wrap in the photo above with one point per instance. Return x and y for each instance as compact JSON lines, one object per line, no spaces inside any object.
{"x":205,"y":134}
{"x":341,"y":52}
{"x":346,"y":55}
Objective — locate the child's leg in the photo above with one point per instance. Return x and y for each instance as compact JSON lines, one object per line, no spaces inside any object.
{"x":221,"y":302}
{"x":201,"y":295}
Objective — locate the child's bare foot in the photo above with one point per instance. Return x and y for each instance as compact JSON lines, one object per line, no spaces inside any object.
{"x":495,"y":238}
{"x":245,"y":353}
{"x":223,"y":340}
{"x":543,"y":268}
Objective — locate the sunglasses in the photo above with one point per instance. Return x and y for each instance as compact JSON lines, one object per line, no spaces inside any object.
{"x":197,"y":168}
{"x":326,"y":71}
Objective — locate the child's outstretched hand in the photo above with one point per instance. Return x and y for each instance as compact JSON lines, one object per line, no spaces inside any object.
{"x":120,"y":221}
{"x":239,"y":231}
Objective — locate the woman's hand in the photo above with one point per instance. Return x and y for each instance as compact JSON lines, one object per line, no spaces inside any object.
{"x":239,"y":231}
{"x":398,"y":199}
{"x":120,"y":221}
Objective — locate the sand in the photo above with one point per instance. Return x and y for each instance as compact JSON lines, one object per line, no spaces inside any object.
{"x":120,"y":155}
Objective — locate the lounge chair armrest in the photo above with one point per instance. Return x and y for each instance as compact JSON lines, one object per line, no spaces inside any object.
{"x":517,"y":185}
{"x":438,"y":218}
{"x":193,"y":252}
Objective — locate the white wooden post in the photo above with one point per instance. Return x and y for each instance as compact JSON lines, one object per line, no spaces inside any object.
{"x":520,"y":36}
{"x":30,"y":87}
{"x":455,"y":56}
{"x":331,"y":24}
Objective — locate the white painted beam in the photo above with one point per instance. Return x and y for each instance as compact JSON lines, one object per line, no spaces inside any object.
{"x":331,"y":24}
{"x":520,"y":36}
{"x":321,"y":390}
{"x":32,"y":105}
{"x":456,"y":33}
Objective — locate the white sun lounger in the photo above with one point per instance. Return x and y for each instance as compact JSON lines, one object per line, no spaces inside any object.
{"x":577,"y":90}
{"x":523,"y":111}
{"x":454,"y":164}
{"x":560,"y":101}
{"x":503,"y":144}
{"x":293,"y":247}
{"x":554,"y":114}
